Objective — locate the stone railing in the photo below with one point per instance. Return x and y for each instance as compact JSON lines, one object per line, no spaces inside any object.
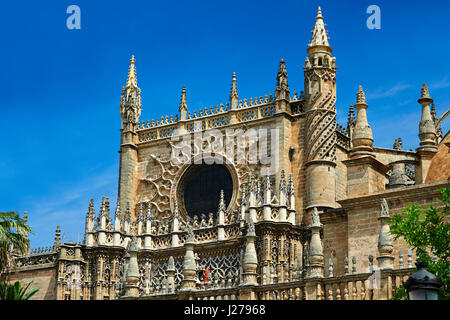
{"x":215,"y":117}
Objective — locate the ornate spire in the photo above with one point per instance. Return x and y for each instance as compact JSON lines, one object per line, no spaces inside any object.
{"x":234,"y":96}
{"x":398,"y":145}
{"x":360,"y":96}
{"x":57,"y":242}
{"x":351,"y":117}
{"x":282,"y":88}
{"x":424,"y":93}
{"x":91,"y":211}
{"x":362,"y":137}
{"x":320,"y":35}
{"x":183,"y":101}
{"x":384,"y":212}
{"x":427,"y":126}
{"x":130,"y":101}
{"x":132,"y":79}
{"x":283,"y":186}
{"x":290,"y":187}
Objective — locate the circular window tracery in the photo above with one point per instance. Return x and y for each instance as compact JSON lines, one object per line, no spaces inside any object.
{"x":200,"y":186}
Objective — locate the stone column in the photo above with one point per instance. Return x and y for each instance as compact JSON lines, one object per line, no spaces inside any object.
{"x":117,"y":225}
{"x":250,"y":261}
{"x":385,"y":243}
{"x":316,"y":265}
{"x":189,"y":264}
{"x":171,"y":275}
{"x":427,"y":136}
{"x":291,"y":195}
{"x":132,"y":275}
{"x":267,"y":210}
{"x":283,"y":199}
{"x":175,"y":226}
{"x":148,"y":230}
{"x":221,"y":218}
{"x":252,"y":202}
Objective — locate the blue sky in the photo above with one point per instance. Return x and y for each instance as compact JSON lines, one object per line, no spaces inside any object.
{"x":60,"y":88}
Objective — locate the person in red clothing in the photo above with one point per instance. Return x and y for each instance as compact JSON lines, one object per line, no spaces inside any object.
{"x":205,"y":277}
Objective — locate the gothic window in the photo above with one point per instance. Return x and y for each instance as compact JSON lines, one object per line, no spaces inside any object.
{"x":200,"y":186}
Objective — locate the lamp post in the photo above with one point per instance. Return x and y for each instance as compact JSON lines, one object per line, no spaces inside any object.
{"x":422,"y":285}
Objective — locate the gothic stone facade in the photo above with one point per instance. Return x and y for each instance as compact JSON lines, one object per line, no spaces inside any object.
{"x":315,"y":228}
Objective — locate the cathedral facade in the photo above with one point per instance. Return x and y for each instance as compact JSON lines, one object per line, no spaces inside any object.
{"x":261,"y":198}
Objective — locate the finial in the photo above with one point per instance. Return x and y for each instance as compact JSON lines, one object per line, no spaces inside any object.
{"x":133,"y":247}
{"x":315,"y":219}
{"x":360,"y":96}
{"x":320,"y":35}
{"x":398,"y":145}
{"x":222,"y":201}
{"x":171,"y":264}
{"x":251,"y":227}
{"x":424,"y":93}
{"x":183,"y":101}
{"x":384,"y":212}
{"x":291,"y":185}
{"x":319,"y":13}
{"x":91,"y":210}
{"x":234,"y":96}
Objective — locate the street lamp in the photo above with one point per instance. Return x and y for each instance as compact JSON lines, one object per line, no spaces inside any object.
{"x":422,"y":285}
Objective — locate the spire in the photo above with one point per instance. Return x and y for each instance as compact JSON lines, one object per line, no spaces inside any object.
{"x":427,"y":127}
{"x":320,"y":35}
{"x":360,"y":96}
{"x":351,"y":117}
{"x":183,"y":101}
{"x":424,"y":93}
{"x":131,"y":97}
{"x":57,"y":242}
{"x":234,"y":96}
{"x":398,"y":145}
{"x":91,"y":210}
{"x":132,"y":79}
{"x":282,"y":88}
{"x":362,"y":137}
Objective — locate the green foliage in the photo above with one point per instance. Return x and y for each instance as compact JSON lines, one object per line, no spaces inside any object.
{"x":399,"y":293}
{"x":15,"y":291}
{"x":428,"y":229}
{"x":13,"y":233}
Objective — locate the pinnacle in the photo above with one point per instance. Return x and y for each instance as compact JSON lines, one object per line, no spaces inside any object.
{"x":183,"y":101}
{"x":131,"y":79}
{"x":424,"y":93}
{"x":320,"y":35}
{"x":234,"y":92}
{"x":360,"y":96}
{"x":319,"y":13}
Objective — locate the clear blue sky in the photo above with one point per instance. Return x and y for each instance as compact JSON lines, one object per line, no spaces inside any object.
{"x":60,"y":88}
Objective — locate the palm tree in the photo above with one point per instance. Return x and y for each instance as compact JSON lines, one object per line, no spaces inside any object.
{"x":15,"y":291}
{"x":13,"y":235}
